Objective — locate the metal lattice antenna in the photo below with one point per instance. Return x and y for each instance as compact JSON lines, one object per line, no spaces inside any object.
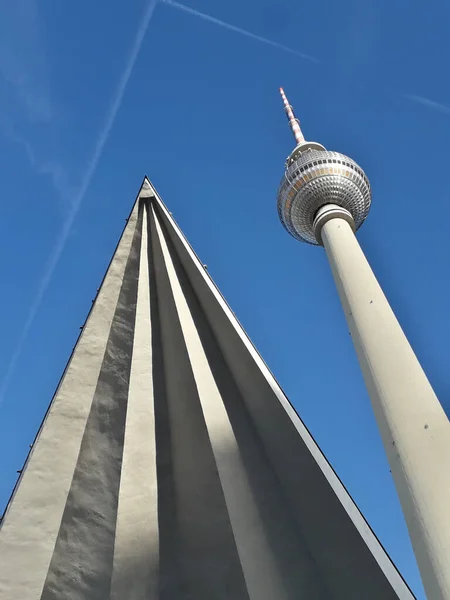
{"x":293,"y":122}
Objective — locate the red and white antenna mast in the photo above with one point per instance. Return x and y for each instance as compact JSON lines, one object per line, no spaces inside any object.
{"x":293,"y":121}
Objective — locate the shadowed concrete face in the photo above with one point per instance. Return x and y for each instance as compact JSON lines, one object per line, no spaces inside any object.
{"x":170,"y":465}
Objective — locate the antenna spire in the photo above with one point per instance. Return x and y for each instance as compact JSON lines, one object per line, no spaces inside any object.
{"x":293,"y":122}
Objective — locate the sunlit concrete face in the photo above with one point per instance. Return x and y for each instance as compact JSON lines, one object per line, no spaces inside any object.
{"x":171,"y":466}
{"x":413,"y":425}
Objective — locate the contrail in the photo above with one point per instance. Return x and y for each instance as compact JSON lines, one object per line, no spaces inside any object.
{"x":78,"y":200}
{"x":429,"y":103}
{"x":253,"y":36}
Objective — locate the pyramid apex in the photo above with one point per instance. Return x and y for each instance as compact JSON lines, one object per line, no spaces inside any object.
{"x":147,"y":190}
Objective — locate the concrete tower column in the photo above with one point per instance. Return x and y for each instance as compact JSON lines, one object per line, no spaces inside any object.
{"x":414,"y":427}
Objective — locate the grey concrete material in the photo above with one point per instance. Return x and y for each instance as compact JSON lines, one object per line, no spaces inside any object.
{"x":274,"y":557}
{"x":192,"y":476}
{"x":328,"y":212}
{"x":346,"y":551}
{"x":413,"y":425}
{"x":198,"y":556}
{"x":32,"y":521}
{"x":169,"y":569}
{"x":82,"y":561}
{"x":264,"y":559}
{"x":136,"y":548}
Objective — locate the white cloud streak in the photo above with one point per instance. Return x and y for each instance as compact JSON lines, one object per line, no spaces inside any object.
{"x":429,"y":103}
{"x":75,"y":207}
{"x":49,"y":167}
{"x":23,"y":61}
{"x":253,"y":36}
{"x":26,"y":103}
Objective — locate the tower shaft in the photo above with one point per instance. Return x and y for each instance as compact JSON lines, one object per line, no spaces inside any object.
{"x":414,"y":427}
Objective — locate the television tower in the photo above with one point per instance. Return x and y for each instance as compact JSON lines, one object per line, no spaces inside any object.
{"x":323,"y":198}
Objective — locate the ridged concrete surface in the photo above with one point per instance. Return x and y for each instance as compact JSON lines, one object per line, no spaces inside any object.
{"x":171,"y":466}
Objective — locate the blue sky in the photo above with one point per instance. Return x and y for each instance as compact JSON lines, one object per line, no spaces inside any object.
{"x":93,"y":95}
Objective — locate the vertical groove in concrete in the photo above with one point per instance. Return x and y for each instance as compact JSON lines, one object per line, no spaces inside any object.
{"x":82,"y":562}
{"x":203,"y":562}
{"x":32,"y":522}
{"x":136,"y":549}
{"x":169,"y":573}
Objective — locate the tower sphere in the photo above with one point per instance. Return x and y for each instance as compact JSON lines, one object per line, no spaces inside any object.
{"x":315,"y":177}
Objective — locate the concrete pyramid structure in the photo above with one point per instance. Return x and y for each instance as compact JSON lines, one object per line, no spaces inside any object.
{"x":170,"y":465}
